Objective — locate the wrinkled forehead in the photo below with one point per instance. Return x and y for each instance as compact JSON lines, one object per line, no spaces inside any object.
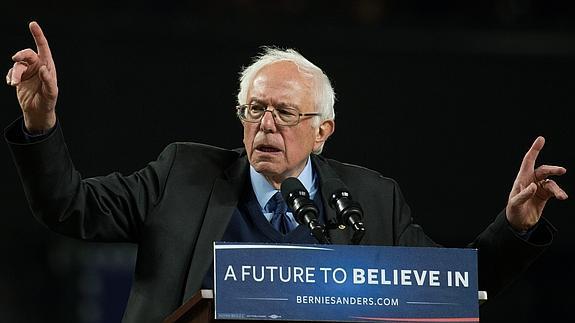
{"x":281,"y":81}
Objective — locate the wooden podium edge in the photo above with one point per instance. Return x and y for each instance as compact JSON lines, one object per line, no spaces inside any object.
{"x":181,"y":311}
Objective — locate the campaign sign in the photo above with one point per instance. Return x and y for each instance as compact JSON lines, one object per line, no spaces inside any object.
{"x":340,"y":283}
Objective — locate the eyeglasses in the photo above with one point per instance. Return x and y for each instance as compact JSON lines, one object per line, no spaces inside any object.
{"x":285,"y":116}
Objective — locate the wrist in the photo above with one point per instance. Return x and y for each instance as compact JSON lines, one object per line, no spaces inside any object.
{"x":39,"y":125}
{"x":520,"y":226}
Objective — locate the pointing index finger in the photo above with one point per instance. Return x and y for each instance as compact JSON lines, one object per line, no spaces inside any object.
{"x":41,"y":41}
{"x":531,"y":155}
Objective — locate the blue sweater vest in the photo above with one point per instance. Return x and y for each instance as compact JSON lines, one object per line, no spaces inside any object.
{"x":248,"y":224}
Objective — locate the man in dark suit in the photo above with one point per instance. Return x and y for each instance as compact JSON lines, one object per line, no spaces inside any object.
{"x":195,"y":194}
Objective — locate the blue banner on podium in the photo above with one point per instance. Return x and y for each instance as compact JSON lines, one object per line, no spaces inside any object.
{"x":340,"y":283}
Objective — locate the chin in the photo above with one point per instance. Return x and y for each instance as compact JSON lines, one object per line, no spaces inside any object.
{"x":267,"y":168}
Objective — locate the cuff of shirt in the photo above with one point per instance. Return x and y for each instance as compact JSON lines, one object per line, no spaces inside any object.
{"x":525,"y":234}
{"x":18,"y":134}
{"x":37,"y":136}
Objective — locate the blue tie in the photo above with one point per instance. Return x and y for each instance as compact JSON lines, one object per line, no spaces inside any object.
{"x":279,"y":220}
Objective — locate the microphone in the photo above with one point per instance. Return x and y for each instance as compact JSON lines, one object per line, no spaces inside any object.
{"x":304,"y":210}
{"x":347,"y":210}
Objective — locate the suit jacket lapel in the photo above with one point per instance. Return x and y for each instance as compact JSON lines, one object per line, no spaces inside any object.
{"x":221,"y":205}
{"x":337,"y":234}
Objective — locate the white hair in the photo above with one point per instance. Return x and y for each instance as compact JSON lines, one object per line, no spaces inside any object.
{"x":324,"y":96}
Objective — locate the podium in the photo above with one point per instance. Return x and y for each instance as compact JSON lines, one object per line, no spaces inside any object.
{"x":312,"y":283}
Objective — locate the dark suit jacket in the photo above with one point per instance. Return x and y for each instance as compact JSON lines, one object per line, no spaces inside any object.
{"x":179,"y":204}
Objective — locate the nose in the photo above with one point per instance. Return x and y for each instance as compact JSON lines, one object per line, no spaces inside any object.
{"x":267,"y":123}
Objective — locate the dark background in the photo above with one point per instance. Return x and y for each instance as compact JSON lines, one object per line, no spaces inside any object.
{"x":443,"y":96}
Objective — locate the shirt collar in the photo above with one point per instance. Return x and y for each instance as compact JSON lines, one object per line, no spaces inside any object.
{"x":264,"y":190}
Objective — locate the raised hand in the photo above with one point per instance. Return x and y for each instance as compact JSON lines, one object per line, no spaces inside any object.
{"x":532,"y":189}
{"x":34,"y":76}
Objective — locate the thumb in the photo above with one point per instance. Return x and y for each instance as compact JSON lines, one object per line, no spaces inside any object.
{"x":49,"y":86}
{"x":524,"y":195}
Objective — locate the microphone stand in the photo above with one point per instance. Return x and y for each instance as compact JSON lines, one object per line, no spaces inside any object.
{"x":318,"y":231}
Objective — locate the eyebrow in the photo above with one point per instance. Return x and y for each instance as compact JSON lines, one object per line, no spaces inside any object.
{"x":278,"y":105}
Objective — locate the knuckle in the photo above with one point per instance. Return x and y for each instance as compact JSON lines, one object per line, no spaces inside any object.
{"x":552,"y":182}
{"x":26,"y":51}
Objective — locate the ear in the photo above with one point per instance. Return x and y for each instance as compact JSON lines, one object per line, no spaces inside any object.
{"x":326,"y":129}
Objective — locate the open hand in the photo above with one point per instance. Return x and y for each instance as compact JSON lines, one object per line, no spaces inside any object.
{"x":532,"y":189}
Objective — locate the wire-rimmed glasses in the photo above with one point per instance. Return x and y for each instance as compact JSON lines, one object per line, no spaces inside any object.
{"x":284,"y":116}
